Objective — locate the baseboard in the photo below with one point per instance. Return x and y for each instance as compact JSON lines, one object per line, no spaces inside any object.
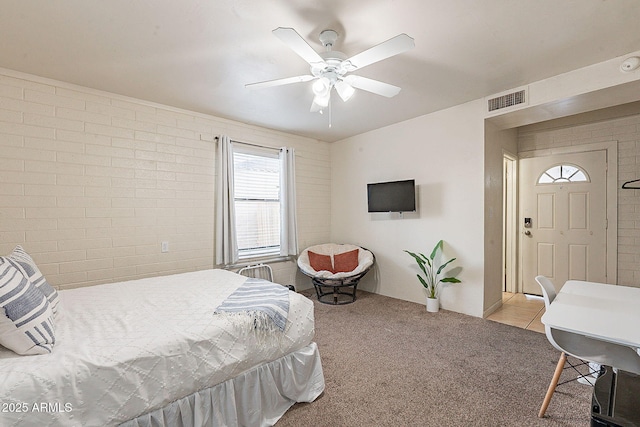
{"x":491,"y":309}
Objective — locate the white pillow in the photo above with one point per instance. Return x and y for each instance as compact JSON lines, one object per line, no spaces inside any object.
{"x":29,"y":267}
{"x":26,"y":319}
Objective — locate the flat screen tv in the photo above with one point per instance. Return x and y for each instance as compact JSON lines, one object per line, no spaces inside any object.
{"x":393,"y":196}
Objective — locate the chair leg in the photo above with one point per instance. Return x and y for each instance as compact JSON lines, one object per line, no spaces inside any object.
{"x":552,"y":385}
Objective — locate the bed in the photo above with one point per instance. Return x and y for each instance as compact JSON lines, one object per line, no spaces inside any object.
{"x":152,"y":352}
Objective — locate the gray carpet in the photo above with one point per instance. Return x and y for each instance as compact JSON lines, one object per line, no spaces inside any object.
{"x":388,"y":362}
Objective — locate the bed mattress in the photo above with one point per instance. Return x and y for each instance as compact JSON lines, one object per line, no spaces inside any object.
{"x":128,"y":348}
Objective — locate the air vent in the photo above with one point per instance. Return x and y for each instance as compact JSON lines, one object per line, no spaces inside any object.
{"x":508,"y":100}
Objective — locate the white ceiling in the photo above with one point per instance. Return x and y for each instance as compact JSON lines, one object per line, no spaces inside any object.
{"x":198,"y":55}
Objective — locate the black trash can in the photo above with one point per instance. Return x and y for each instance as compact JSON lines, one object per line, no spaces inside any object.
{"x":616,"y":399}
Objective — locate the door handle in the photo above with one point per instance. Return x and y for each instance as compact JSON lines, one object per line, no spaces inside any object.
{"x":527,"y":233}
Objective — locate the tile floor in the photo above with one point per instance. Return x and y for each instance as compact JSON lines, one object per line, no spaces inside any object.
{"x":523,"y":311}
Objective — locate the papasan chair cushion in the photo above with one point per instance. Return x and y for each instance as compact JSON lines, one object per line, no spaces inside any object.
{"x":338,"y":257}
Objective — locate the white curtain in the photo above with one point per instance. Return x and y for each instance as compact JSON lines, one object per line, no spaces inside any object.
{"x":226,"y":245}
{"x":288,"y":220}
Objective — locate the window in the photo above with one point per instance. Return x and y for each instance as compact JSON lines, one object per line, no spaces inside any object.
{"x":562,"y":174}
{"x":257,"y":202}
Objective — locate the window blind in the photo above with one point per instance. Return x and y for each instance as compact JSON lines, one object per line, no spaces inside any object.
{"x":257,"y":203}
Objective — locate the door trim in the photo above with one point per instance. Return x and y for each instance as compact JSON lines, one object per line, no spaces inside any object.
{"x":510,"y":221}
{"x":611,"y":150}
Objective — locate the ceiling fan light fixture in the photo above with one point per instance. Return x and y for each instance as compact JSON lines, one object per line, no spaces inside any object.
{"x":322,"y":100}
{"x":321,"y":87}
{"x":345,"y":90}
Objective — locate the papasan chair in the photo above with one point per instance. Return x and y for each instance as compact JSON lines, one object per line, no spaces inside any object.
{"x":335,"y":269}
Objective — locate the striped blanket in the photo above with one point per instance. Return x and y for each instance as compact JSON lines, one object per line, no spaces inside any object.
{"x":267,"y":303}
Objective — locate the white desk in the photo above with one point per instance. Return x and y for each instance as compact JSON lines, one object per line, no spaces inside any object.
{"x":597,"y":310}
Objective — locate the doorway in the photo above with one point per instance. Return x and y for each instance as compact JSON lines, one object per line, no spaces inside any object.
{"x":567,"y":216}
{"x":563,"y":218}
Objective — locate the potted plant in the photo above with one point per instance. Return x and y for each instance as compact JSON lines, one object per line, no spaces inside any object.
{"x":433,"y":274}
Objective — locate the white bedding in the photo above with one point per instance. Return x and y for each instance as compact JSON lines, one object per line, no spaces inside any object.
{"x":128,"y":348}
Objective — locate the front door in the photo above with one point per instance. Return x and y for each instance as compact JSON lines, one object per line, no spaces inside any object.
{"x":563,"y":218}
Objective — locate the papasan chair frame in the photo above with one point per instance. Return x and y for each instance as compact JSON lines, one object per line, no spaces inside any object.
{"x":332,"y":288}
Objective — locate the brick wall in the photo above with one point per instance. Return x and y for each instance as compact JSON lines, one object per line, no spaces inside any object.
{"x":626,"y":131}
{"x":91,"y":183}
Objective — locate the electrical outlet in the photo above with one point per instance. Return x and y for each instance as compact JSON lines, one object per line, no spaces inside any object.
{"x":165,"y":246}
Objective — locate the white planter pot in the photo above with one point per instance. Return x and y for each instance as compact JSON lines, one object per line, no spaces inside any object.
{"x":433,"y":305}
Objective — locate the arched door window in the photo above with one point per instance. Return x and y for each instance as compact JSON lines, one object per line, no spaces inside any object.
{"x":562,"y":174}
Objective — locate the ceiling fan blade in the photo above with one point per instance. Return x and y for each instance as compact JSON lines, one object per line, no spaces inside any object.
{"x":398,"y":44}
{"x":373,"y":86}
{"x":292,"y":39}
{"x":279,"y":82}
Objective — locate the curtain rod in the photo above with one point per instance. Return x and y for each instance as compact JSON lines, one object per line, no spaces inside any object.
{"x":251,"y":144}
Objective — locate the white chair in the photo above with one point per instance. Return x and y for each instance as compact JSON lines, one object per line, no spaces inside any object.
{"x":581,"y":347}
{"x":333,"y":288}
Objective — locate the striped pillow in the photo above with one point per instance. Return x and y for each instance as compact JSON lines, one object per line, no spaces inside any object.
{"x":35,"y":276}
{"x":26,"y":319}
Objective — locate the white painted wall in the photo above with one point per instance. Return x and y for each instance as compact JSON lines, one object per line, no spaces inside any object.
{"x":91,"y":183}
{"x":456,"y":160}
{"x":497,"y":142}
{"x":444,"y":153}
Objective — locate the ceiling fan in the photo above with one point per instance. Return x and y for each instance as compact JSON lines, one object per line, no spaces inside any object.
{"x":331,"y":69}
